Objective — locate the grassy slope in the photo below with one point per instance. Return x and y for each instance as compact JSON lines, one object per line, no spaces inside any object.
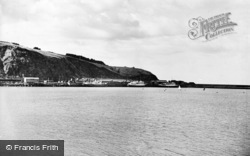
{"x":19,"y":60}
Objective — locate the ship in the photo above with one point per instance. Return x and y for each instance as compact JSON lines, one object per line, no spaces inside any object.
{"x":136,"y":84}
{"x":95,"y":83}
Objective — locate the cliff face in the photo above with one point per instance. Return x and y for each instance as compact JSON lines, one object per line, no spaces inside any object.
{"x":16,"y":60}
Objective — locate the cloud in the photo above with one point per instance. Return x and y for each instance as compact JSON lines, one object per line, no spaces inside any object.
{"x":111,"y":19}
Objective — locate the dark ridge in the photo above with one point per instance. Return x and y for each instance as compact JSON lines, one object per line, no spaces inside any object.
{"x":19,"y":61}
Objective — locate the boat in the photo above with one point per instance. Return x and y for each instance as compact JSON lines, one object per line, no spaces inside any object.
{"x":136,"y":84}
{"x":167,"y":84}
{"x":179,"y":87}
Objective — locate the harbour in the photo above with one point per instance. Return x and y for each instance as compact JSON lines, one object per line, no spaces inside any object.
{"x":124,"y":78}
{"x":100,"y":82}
{"x":129,"y":121}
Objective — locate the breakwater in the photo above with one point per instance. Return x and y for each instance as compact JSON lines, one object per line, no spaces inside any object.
{"x":221,"y":86}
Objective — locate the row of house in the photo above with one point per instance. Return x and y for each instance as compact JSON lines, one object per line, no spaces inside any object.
{"x":35,"y":81}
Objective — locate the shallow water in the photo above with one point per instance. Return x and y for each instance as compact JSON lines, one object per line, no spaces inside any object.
{"x":130,"y":121}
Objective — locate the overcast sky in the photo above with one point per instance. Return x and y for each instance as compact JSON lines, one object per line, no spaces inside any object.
{"x":148,"y":34}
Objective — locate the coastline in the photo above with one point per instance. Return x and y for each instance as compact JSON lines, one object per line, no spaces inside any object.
{"x":204,"y":86}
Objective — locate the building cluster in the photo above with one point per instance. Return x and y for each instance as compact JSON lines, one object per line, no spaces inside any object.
{"x":36,"y":81}
{"x":87,"y":82}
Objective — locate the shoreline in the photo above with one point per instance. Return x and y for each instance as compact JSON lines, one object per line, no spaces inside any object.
{"x":203,"y":86}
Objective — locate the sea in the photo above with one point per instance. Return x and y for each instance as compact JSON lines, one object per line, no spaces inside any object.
{"x":130,"y":121}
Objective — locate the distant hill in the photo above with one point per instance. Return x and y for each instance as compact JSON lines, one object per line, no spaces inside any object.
{"x":17,"y":60}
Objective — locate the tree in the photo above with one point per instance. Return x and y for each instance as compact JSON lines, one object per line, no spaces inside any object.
{"x":37,"y":48}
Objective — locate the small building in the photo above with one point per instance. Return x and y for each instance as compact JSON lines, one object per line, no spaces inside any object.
{"x":30,"y":80}
{"x":50,"y":83}
{"x":114,"y":80}
{"x":156,"y":82}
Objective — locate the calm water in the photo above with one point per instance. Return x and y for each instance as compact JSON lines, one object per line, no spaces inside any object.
{"x":130,"y":121}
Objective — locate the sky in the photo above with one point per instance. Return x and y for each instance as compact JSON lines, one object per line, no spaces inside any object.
{"x":147,"y":34}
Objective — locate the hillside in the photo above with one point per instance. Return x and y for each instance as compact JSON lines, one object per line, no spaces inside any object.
{"x":17,"y":60}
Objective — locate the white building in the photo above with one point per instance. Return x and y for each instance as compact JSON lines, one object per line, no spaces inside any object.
{"x":30,"y":80}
